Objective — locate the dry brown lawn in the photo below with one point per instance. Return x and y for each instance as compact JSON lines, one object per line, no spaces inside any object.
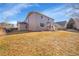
{"x":40,"y":43}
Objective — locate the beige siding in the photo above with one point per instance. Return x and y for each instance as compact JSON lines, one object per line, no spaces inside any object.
{"x":34,"y":21}
{"x":77,"y":25}
{"x":21,"y":27}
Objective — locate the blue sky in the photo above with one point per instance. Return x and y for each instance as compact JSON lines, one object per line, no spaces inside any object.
{"x":13,"y":12}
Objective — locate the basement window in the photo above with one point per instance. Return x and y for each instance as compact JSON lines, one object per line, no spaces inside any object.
{"x":42,"y":24}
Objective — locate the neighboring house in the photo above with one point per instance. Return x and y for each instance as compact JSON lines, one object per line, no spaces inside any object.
{"x":6,"y":25}
{"x":73,"y":23}
{"x":22,"y":26}
{"x":60,"y":25}
{"x":39,"y":22}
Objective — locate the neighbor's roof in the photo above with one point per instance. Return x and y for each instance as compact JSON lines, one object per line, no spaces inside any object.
{"x":22,"y":23}
{"x":76,"y":19}
{"x":61,"y":23}
{"x":39,"y":14}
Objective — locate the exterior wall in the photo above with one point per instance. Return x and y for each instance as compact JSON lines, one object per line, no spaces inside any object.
{"x":35,"y":19}
{"x":77,"y":25}
{"x":10,"y":26}
{"x":22,"y":27}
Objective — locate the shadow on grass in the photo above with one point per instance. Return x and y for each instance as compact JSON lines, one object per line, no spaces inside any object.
{"x":21,"y":32}
{"x":17,"y":32}
{"x":72,"y":30}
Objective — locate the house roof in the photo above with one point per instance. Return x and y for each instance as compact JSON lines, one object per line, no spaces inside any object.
{"x":6,"y":23}
{"x":22,"y":23}
{"x":61,"y":23}
{"x":74,"y":19}
{"x":37,"y":13}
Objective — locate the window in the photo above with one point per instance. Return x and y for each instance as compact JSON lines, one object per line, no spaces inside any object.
{"x":41,"y":17}
{"x":42,"y":24}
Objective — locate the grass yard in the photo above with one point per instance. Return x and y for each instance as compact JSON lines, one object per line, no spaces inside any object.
{"x":40,"y":44}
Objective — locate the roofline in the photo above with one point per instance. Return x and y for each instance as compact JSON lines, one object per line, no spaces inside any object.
{"x":37,"y":13}
{"x":61,"y":21}
{"x":73,"y":19}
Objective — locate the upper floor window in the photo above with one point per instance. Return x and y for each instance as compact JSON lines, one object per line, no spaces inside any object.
{"x":41,"y":17}
{"x":42,"y":24}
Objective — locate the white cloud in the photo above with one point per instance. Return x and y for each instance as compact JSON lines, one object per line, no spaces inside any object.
{"x":60,"y":13}
{"x":15,"y":10}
